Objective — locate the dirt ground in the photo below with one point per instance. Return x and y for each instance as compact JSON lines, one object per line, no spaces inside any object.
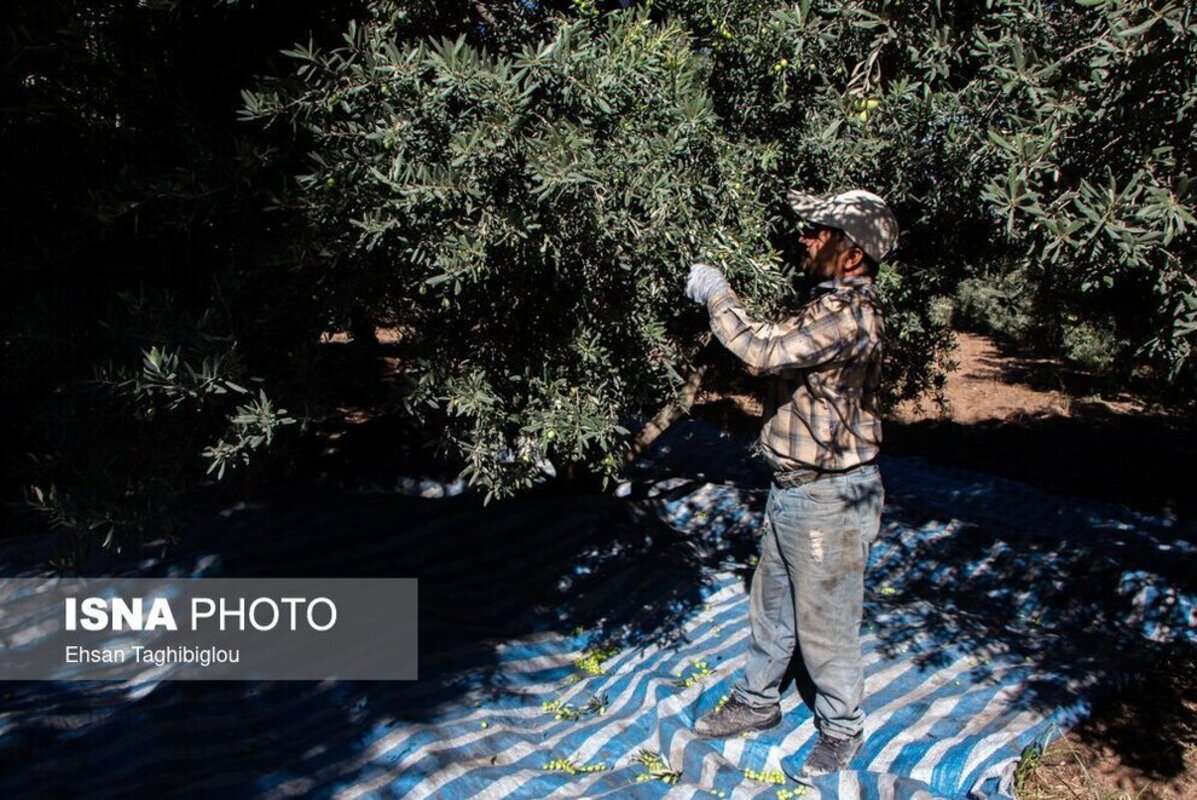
{"x":989,"y":384}
{"x":1025,"y":418}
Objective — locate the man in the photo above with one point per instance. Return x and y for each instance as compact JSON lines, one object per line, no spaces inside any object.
{"x":821,"y":436}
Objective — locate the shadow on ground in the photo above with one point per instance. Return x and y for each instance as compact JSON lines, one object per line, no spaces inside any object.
{"x":593,"y":569}
{"x":1028,"y":585}
{"x":1152,"y":722}
{"x":1143,"y":461}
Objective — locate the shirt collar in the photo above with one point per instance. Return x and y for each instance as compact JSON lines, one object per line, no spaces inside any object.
{"x":831,"y":285}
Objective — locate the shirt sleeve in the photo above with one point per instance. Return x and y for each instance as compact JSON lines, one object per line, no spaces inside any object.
{"x":816,"y":336}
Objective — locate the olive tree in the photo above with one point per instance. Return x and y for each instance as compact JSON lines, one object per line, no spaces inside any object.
{"x":527,"y":221}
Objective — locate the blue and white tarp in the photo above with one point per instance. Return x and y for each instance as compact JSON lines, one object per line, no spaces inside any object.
{"x":569,"y":642}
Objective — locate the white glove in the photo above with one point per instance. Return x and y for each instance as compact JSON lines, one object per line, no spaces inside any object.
{"x":705,"y":282}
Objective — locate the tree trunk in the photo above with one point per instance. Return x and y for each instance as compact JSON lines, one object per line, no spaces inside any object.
{"x":671,"y":412}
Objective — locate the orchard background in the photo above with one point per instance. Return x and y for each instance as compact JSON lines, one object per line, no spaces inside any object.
{"x":199,"y":196}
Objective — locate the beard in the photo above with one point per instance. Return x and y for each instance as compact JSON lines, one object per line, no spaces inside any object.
{"x":814,"y":268}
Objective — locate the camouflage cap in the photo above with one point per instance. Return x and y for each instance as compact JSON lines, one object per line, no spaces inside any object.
{"x":863,"y":216}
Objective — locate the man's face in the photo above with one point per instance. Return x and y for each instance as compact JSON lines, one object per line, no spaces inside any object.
{"x":826,"y":252}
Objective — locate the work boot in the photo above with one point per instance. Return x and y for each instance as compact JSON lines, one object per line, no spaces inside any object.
{"x":830,"y":755}
{"x":736,"y":717}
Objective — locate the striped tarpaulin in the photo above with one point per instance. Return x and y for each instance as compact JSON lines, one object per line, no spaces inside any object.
{"x":577,"y":632}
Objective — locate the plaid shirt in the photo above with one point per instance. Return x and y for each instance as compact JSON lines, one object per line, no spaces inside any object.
{"x":821,"y":410}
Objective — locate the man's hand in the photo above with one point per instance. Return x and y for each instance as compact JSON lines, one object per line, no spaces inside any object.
{"x":705,"y":282}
